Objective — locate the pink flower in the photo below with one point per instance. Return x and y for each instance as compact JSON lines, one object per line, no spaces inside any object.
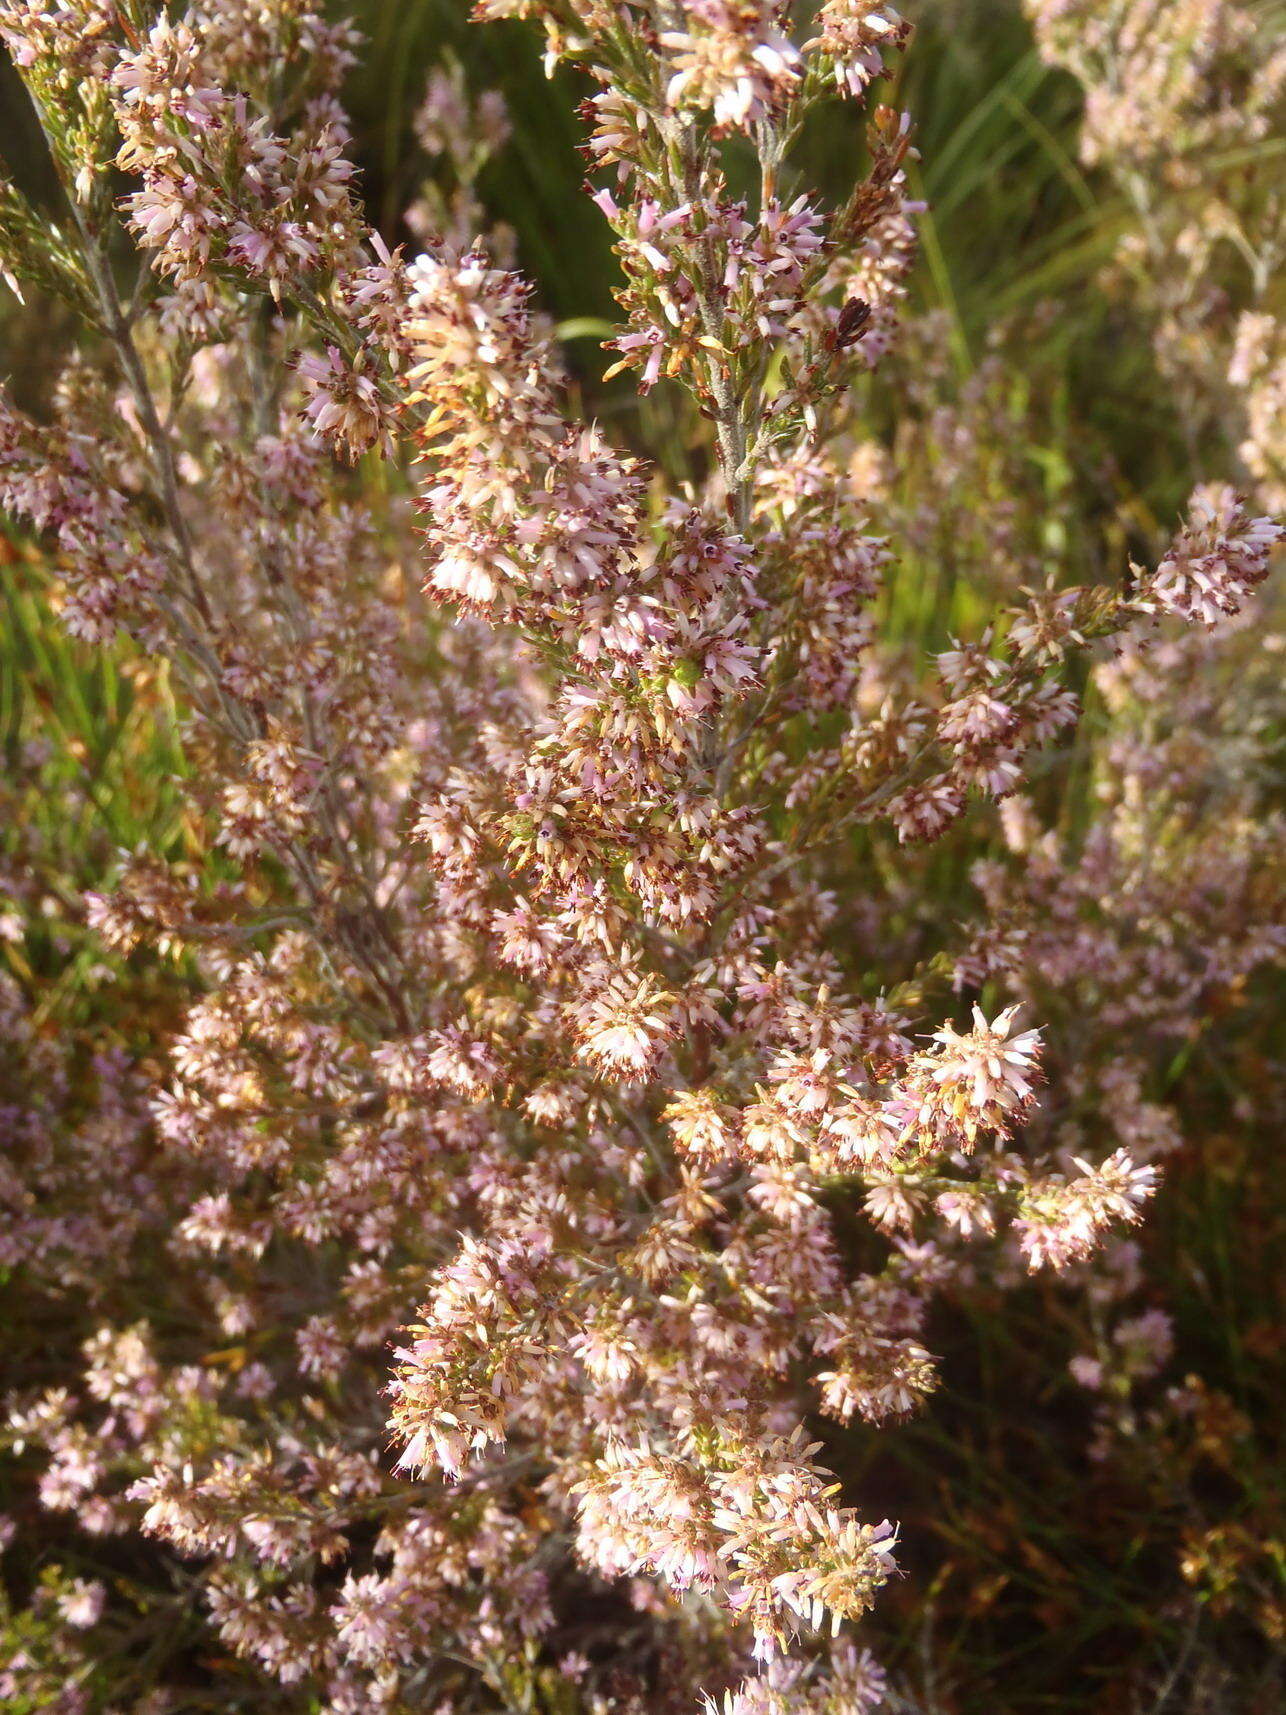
{"x":1215,"y":561}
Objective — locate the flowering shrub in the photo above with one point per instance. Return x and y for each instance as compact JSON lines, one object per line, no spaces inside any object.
{"x":530,"y":1008}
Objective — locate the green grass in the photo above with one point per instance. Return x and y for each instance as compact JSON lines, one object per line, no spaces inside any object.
{"x":114,"y":765}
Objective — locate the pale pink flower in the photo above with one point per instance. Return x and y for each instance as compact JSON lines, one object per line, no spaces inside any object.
{"x":1215,"y":561}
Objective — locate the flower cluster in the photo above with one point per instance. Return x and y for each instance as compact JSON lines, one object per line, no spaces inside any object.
{"x":1215,"y":561}
{"x":511,"y":948}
